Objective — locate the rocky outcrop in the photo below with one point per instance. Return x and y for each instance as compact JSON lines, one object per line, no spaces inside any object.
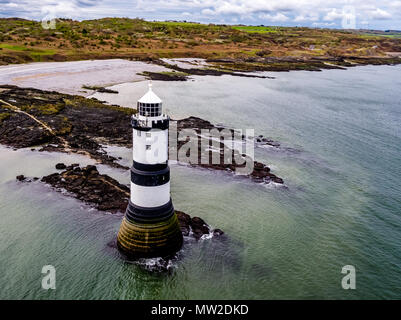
{"x":209,"y":71}
{"x":100,"y":89}
{"x":88,"y":185}
{"x":195,"y":226}
{"x":21,"y":177}
{"x":60,"y":166}
{"x":107,"y":194}
{"x":261,"y":140}
{"x":260,"y":172}
{"x":166,"y":76}
{"x":67,"y":123}
{"x":74,"y":124}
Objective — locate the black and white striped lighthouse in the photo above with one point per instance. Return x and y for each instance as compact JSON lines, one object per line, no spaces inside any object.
{"x":150,"y":227}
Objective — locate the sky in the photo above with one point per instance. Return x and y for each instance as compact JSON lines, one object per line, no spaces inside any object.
{"x":367,"y":14}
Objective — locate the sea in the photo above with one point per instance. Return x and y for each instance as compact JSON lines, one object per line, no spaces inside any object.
{"x":340,"y":205}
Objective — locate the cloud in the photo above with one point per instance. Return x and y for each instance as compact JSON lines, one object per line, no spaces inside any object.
{"x":11,"y":5}
{"x":380,"y":14}
{"x":323,"y":24}
{"x":291,"y":12}
{"x":333,"y":14}
{"x":307,"y":17}
{"x":278,"y":17}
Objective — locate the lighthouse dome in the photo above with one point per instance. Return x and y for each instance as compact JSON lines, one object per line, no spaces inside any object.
{"x":150,"y":105}
{"x":150,"y":97}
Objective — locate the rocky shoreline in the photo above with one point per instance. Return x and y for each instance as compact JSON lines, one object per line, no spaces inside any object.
{"x":108,"y":195}
{"x":56,"y":122}
{"x":99,"y":89}
{"x":213,"y":70}
{"x":289,"y":63}
{"x":248,"y":67}
{"x":260,"y":172}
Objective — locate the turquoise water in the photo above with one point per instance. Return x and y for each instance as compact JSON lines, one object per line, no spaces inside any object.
{"x":340,"y":158}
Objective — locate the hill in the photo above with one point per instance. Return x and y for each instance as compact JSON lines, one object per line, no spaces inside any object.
{"x":244,"y":48}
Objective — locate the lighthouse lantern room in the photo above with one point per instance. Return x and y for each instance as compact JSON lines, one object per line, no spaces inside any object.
{"x":150,"y":226}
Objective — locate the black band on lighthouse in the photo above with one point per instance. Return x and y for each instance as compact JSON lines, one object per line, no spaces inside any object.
{"x":149,"y":167}
{"x":155,"y":124}
{"x":136,"y":213}
{"x":150,"y":178}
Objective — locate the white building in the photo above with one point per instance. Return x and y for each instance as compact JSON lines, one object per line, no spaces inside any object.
{"x":150,"y":226}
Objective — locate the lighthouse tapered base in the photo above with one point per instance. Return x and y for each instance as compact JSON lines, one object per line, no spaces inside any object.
{"x":149,"y":232}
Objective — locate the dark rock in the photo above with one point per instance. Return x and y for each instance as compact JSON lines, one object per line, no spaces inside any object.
{"x":89,"y":170}
{"x":88,"y":185}
{"x":21,"y":177}
{"x":170,"y":76}
{"x":199,"y":227}
{"x":107,"y":194}
{"x":260,"y":173}
{"x":60,"y":166}
{"x":105,"y":90}
{"x":218,"y":232}
{"x":196,"y":221}
{"x":206,"y":71}
{"x":100,"y":89}
{"x":265,"y":141}
{"x":184,"y":221}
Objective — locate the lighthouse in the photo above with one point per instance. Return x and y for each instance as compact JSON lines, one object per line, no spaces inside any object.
{"x":150,"y":227}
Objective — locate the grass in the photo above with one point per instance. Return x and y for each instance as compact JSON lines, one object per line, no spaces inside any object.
{"x":79,"y":101}
{"x":253,"y":29}
{"x":34,"y":54}
{"x":36,"y":51}
{"x":65,"y":127}
{"x":4,"y":116}
{"x":12,"y":47}
{"x":45,"y":110}
{"x":174,"y":73}
{"x":394,"y":36}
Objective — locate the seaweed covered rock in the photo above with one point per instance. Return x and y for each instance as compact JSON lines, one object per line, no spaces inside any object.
{"x":88,"y":185}
{"x":197,"y":225}
{"x":107,"y":194}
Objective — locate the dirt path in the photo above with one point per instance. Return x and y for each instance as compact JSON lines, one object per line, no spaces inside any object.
{"x":64,"y":142}
{"x":41,"y":123}
{"x":116,"y":187}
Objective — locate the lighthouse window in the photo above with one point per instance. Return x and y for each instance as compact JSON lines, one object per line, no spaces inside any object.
{"x":148,"y":134}
{"x":139,"y":133}
{"x":148,"y":147}
{"x":150,"y":109}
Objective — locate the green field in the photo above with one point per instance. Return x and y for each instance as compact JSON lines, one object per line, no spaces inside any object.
{"x":255,"y":29}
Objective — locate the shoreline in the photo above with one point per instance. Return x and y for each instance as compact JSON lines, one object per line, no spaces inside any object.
{"x":225,"y":49}
{"x":161,"y":70}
